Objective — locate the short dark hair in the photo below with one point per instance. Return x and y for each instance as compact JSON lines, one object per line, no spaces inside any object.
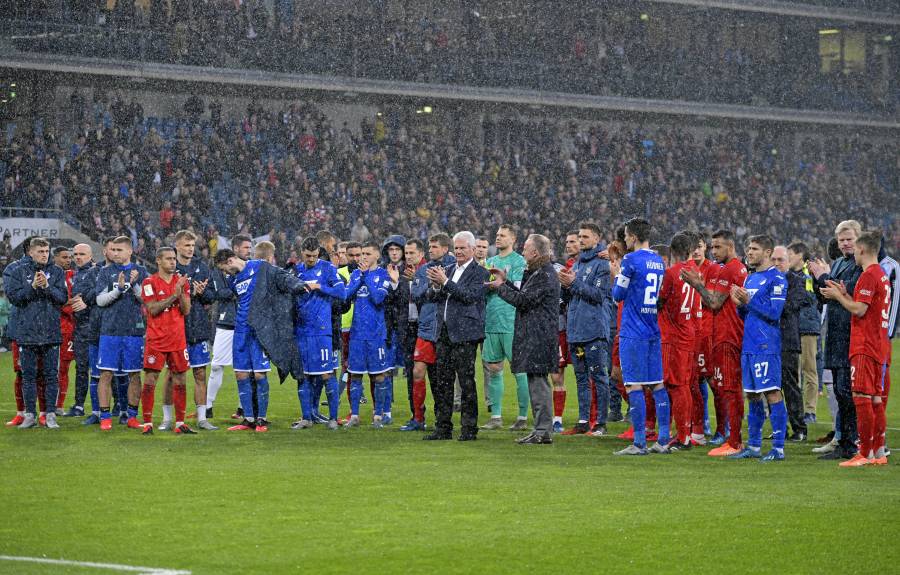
{"x":309,"y":244}
{"x":870,"y":240}
{"x":160,"y":251}
{"x":833,"y":250}
{"x":620,"y":233}
{"x":60,"y":249}
{"x":109,"y":240}
{"x":800,"y":248}
{"x":240,"y":239}
{"x":764,"y":241}
{"x":418,"y":243}
{"x":483,"y":238}
{"x":223,"y":255}
{"x":510,"y":228}
{"x":662,"y":249}
{"x":371,"y":244}
{"x":442,"y":239}
{"x":721,"y":234}
{"x":639,"y":228}
{"x":353,"y":245}
{"x":682,"y":244}
{"x":591,"y":226}
{"x":119,"y":240}
{"x":571,"y":233}
{"x":324,"y":237}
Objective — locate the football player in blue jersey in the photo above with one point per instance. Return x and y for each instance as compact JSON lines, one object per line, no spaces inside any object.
{"x":638,"y":281}
{"x":264,"y":301}
{"x":313,"y":332}
{"x":368,"y":287}
{"x":760,"y":303}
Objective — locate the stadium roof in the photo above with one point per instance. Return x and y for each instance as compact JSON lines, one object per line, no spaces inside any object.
{"x":795,"y":9}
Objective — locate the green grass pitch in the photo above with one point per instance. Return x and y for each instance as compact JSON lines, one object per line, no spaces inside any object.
{"x":382,"y":501}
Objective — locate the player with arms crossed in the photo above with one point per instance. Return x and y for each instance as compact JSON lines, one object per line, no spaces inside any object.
{"x":760,"y":303}
{"x":637,"y":285}
{"x":167,"y":299}
{"x":869,"y":308}
{"x":677,"y":323}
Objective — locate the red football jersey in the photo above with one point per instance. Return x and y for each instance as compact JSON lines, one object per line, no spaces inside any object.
{"x":677,"y":317}
{"x":728,"y":327}
{"x":165,"y":331}
{"x":869,"y":332}
{"x":67,"y":316}
{"x":704,"y":325}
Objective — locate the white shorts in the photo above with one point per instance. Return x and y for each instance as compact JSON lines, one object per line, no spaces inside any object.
{"x":222,"y":346}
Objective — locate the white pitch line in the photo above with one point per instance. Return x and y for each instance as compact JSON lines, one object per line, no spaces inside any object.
{"x":111,"y":566}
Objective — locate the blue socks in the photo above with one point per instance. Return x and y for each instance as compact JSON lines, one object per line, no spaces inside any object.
{"x":245,"y":395}
{"x":381,"y":396}
{"x":262,"y":396}
{"x":303,"y":394}
{"x":779,"y":417}
{"x":663,"y":417}
{"x":388,"y":393}
{"x":756,"y":417}
{"x":316,"y":383}
{"x":638,"y":416}
{"x":334,"y":398}
{"x":95,"y":396}
{"x":704,"y":393}
{"x":356,"y":390}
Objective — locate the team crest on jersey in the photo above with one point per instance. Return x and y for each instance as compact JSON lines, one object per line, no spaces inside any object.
{"x":148,"y":290}
{"x":151,"y":360}
{"x":777,"y":290}
{"x":363,"y":291}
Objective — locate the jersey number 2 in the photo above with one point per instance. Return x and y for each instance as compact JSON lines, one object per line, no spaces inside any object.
{"x":652,"y":290}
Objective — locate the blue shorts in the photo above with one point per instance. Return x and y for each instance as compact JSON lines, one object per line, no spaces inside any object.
{"x":247,"y":353}
{"x":198,"y":354}
{"x":92,"y":360}
{"x":760,"y":372}
{"x":368,"y":356}
{"x":120,"y":353}
{"x":317,"y":355}
{"x":641,"y":361}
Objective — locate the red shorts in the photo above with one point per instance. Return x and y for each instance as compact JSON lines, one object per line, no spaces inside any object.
{"x":176,"y":360}
{"x":866,"y":375}
{"x":703,"y":349}
{"x":564,"y":357}
{"x":678,"y":369}
{"x":727,"y":367}
{"x":15,"y":350}
{"x":425,"y":351}
{"x":615,"y":353}
{"x":67,"y":348}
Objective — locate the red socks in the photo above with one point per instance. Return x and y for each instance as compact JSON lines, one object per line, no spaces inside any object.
{"x":147,"y":395}
{"x":865,"y":423}
{"x":63,"y":383}
{"x":735,"y":404}
{"x":880,"y":426}
{"x":696,"y":408}
{"x":179,"y":398}
{"x":559,"y":402}
{"x":681,"y":410}
{"x":419,"y":400}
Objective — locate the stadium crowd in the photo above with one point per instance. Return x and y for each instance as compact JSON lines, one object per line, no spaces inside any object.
{"x":586,"y":50}
{"x":288,"y":172}
{"x":652,"y":325}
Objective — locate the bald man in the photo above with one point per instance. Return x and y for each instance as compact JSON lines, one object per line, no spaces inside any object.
{"x":790,"y":343}
{"x":82,"y":300}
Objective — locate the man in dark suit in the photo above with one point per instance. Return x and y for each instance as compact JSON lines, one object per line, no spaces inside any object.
{"x":535,"y":350}
{"x":459,"y":296}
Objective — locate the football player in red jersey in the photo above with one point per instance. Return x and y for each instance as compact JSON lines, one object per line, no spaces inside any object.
{"x":728,"y":333}
{"x":167,"y":299}
{"x":62,"y":257}
{"x":869,"y":307}
{"x":703,"y":350}
{"x":678,"y":305}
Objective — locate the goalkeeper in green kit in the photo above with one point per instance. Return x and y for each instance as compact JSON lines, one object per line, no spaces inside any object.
{"x":500,"y":319}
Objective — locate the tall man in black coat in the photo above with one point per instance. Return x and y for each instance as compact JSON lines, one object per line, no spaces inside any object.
{"x":459,"y":296}
{"x":536,"y":339}
{"x":837,"y":340}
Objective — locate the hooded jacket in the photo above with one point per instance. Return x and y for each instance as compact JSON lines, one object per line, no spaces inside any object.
{"x":38,"y":309}
{"x":588,"y":316}
{"x":396,"y":305}
{"x":427,"y":308}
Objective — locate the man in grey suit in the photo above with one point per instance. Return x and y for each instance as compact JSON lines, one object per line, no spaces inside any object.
{"x":535,"y":343}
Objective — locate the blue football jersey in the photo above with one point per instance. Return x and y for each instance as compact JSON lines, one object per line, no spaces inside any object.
{"x":368,"y":291}
{"x":314,"y":307}
{"x":242,"y":284}
{"x":762,"y":315}
{"x":638,"y":285}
